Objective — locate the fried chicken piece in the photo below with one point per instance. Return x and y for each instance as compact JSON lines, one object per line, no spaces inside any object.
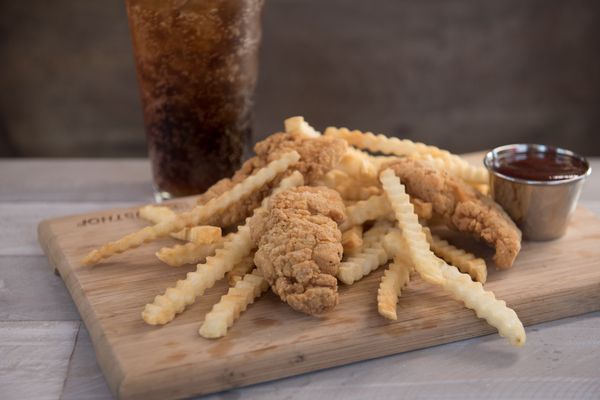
{"x":461,"y":207}
{"x":318,"y":156}
{"x":299,"y":246}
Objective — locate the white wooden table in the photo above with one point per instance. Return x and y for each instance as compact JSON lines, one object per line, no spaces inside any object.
{"x":46,"y":353}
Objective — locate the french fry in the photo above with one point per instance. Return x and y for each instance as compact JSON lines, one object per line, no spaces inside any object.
{"x":434,"y":270}
{"x":198,"y":234}
{"x":375,"y":207}
{"x":378,"y":207}
{"x":189,"y":253}
{"x":298,"y":124}
{"x":352,"y":239}
{"x":164,"y":307}
{"x":235,"y":247}
{"x":394,"y":278}
{"x":418,"y":247}
{"x":405,"y":147}
{"x":457,"y":166}
{"x":223,"y":314}
{"x":198,"y":214}
{"x":358,"y":165}
{"x":371,"y":256}
{"x":156,"y":214}
{"x":240,"y":269}
{"x":464,"y":261}
{"x":485,"y":304}
{"x":335,"y":178}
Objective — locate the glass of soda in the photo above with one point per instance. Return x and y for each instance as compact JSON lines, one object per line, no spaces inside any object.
{"x":196,"y":63}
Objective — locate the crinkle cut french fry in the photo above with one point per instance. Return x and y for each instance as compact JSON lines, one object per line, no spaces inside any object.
{"x":464,"y":261}
{"x":235,"y":247}
{"x":485,"y":304}
{"x":200,"y":234}
{"x":378,"y":207}
{"x":164,"y":307}
{"x":459,"y":167}
{"x":352,"y":239}
{"x":240,"y":269}
{"x":198,"y":214}
{"x":434,"y":270}
{"x":422,"y":257}
{"x":223,"y":314}
{"x":197,"y":234}
{"x":358,"y":165}
{"x":371,"y":256}
{"x":156,"y":214}
{"x":394,"y":278}
{"x":383,"y":144}
{"x":375,"y":207}
{"x":189,"y":253}
{"x":298,"y":124}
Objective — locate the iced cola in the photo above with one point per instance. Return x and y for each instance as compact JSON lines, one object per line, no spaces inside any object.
{"x":197,"y":67}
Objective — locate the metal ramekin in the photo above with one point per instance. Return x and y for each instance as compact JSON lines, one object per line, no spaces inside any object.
{"x":541,"y":209}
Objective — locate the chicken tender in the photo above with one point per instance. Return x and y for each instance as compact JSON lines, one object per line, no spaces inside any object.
{"x":318,"y":156}
{"x":299,"y":247}
{"x":461,"y":207}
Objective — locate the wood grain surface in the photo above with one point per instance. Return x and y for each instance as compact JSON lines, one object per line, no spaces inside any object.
{"x":270,"y":340}
{"x":559,"y":361}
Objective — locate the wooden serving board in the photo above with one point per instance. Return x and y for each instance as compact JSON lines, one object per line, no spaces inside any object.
{"x":550,"y":280}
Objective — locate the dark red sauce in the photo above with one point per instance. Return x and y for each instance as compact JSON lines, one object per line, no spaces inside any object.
{"x":540,"y":166}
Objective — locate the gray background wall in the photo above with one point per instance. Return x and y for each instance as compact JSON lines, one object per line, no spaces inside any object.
{"x":460,"y":74}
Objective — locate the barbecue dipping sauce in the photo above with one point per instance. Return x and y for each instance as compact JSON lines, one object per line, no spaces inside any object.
{"x":540,"y":166}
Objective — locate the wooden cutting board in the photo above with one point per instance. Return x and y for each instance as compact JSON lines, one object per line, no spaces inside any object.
{"x":550,"y":280}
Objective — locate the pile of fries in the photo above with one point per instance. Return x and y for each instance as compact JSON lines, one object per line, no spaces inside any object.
{"x":384,"y":226}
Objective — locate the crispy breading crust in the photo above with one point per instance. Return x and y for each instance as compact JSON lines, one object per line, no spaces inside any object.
{"x":299,"y":247}
{"x":318,"y":156}
{"x":461,"y":207}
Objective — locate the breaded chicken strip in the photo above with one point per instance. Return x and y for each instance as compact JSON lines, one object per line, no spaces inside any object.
{"x":318,"y":156}
{"x":461,"y":207}
{"x":299,"y":247}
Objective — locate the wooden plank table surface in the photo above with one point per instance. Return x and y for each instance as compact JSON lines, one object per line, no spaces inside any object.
{"x":45,"y":351}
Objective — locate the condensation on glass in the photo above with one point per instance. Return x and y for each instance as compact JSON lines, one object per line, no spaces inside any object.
{"x":197,"y":66}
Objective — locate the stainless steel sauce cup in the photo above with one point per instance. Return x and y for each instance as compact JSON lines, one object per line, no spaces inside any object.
{"x":541,"y":209}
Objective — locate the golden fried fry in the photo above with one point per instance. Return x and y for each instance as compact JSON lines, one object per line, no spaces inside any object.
{"x":459,"y":167}
{"x":352,"y":239}
{"x":156,"y":214}
{"x":228,"y":309}
{"x":189,"y":253}
{"x":240,"y":269}
{"x":434,"y":270}
{"x":235,"y":247}
{"x":393,"y":280}
{"x":484,"y":303}
{"x":371,"y":256}
{"x":378,"y":207}
{"x":375,"y":207}
{"x":204,"y":234}
{"x":198,"y":234}
{"x":298,"y":124}
{"x":164,"y":307}
{"x":198,"y":214}
{"x":383,"y":144}
{"x":358,"y":165}
{"x":424,"y":260}
{"x":335,"y":178}
{"x":464,"y":261}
